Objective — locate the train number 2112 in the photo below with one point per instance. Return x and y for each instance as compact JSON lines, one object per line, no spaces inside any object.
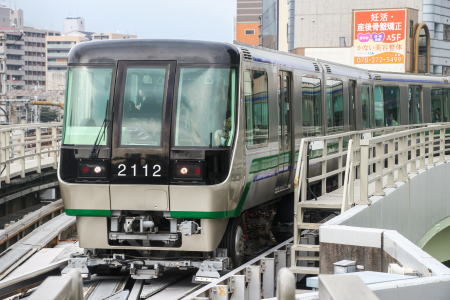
{"x":156,"y":170}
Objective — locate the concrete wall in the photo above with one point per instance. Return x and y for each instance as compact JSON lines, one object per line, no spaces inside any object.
{"x":413,"y":208}
{"x":320,"y":23}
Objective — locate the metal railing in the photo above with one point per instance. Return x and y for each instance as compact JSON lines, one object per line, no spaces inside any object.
{"x":28,"y":147}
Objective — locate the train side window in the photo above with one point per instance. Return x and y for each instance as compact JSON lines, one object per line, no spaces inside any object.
{"x":311,"y":106}
{"x":366,"y":106}
{"x":414,"y":102}
{"x":335,"y":105}
{"x":256,"y":107}
{"x":439,"y":105}
{"x":387,"y":105}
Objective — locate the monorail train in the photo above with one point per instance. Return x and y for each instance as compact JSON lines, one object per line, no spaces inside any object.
{"x":168,"y":144}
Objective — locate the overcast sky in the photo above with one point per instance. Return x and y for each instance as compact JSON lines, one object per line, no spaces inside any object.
{"x":190,"y":19}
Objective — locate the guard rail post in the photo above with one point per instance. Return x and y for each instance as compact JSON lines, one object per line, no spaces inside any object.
{"x":402,"y":158}
{"x":285,"y":285}
{"x":38,"y":149}
{"x":55,"y":146}
{"x":8,"y":156}
{"x":413,"y":164}
{"x":442,"y":145}
{"x":364,"y":168}
{"x":22,"y":152}
{"x":379,"y":165}
{"x":391,"y":162}
{"x":431,"y":146}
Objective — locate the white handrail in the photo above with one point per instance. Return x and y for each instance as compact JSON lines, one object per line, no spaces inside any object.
{"x":347,"y":178}
{"x":392,"y":157}
{"x":28,"y":147}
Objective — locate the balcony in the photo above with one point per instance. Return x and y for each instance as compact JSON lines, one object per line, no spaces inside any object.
{"x":60,"y":46}
{"x":16,"y":62}
{"x":56,"y":63}
{"x":57,"y":55}
{"x":12,"y":83}
{"x":15,"y":42}
{"x":15,"y":51}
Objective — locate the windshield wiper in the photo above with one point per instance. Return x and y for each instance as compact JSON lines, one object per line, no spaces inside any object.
{"x":100,"y":135}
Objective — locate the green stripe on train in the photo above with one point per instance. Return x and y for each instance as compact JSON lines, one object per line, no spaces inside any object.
{"x":269,"y":162}
{"x":88,"y":212}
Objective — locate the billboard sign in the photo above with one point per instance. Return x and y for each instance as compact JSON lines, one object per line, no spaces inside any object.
{"x":379,"y":37}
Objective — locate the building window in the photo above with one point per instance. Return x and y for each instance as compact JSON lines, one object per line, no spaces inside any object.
{"x":256,"y":107}
{"x":446,"y":32}
{"x":411,"y":28}
{"x":249,"y":31}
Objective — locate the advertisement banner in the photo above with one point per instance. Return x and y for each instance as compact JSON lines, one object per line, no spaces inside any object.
{"x":379,"y":36}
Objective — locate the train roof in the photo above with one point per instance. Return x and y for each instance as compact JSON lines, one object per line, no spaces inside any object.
{"x":264,"y":55}
{"x":410,"y":78}
{"x":206,"y":52}
{"x":183,"y":51}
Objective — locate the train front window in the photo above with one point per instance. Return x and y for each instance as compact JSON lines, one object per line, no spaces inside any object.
{"x":88,"y":93}
{"x":142,"y":106}
{"x":205,"y":107}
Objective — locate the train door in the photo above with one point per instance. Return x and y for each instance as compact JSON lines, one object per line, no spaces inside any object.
{"x":352,"y":104}
{"x":284,"y":130}
{"x":142,"y":107}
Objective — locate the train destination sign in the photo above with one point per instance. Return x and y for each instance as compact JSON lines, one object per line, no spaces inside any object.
{"x":379,"y":36}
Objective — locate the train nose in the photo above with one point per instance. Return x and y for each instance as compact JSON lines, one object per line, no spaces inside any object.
{"x":139,"y":197}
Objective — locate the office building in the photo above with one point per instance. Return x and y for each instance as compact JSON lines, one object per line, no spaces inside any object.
{"x":325,"y":29}
{"x":248,"y":21}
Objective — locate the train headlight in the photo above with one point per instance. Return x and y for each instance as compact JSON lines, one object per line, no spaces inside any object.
{"x":85,"y":169}
{"x":192,"y":170}
{"x":91,"y":169}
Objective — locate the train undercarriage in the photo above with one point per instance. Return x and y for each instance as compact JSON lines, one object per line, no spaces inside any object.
{"x":246,"y":236}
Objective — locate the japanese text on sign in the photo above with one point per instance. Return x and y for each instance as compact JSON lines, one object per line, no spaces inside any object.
{"x":379,"y":37}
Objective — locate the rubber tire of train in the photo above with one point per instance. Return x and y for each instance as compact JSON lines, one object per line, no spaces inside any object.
{"x":233,"y":241}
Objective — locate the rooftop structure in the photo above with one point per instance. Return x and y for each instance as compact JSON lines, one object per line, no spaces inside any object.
{"x":73,"y":24}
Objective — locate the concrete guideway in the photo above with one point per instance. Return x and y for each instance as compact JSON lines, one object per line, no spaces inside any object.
{"x":29,"y":260}
{"x":387,"y":183}
{"x":18,"y":229}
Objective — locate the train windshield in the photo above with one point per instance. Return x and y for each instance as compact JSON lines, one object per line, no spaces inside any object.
{"x":205,"y":114}
{"x":88,"y":93}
